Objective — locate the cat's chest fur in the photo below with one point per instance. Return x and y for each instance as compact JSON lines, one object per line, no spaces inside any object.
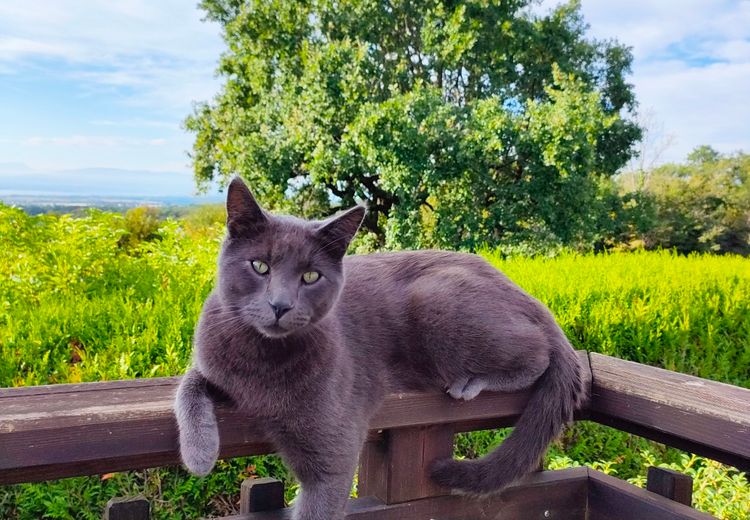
{"x":271,"y":378}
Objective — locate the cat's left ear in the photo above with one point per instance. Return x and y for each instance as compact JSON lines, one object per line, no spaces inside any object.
{"x":338,"y":231}
{"x":245,"y":217}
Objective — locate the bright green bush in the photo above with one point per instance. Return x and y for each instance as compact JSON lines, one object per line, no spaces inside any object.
{"x":685,"y":313}
{"x":78,"y":305}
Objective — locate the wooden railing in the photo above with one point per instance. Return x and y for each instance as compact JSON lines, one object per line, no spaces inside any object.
{"x":57,"y":431}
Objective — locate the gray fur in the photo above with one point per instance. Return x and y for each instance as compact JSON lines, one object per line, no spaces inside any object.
{"x":371,"y":325}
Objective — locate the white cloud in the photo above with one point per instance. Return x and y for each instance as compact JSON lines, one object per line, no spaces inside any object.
{"x":137,"y":122}
{"x":84,"y":141}
{"x":98,"y":30}
{"x":158,"y":53}
{"x":652,"y":27}
{"x":699,"y":105}
{"x":691,"y":67}
{"x":14,"y":48}
{"x":734,"y":51}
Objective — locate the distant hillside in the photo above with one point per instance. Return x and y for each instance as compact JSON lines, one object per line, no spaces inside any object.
{"x":108,"y":188}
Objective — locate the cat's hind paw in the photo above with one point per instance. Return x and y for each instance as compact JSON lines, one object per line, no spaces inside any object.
{"x":457,"y":388}
{"x":467,"y":388}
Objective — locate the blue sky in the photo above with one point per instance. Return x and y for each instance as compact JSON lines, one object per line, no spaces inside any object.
{"x":102,"y":84}
{"x":691,"y":70}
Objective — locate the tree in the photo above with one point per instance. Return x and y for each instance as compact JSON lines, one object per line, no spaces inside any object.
{"x":703,"y":154}
{"x":701,"y":205}
{"x":460,"y":123}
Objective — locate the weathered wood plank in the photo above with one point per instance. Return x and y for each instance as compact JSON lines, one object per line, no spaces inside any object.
{"x":551,"y":494}
{"x":132,"y":508}
{"x":670,"y":484}
{"x":68,"y":430}
{"x":261,"y":494}
{"x":613,"y":499}
{"x":74,"y":388}
{"x":372,"y":478}
{"x":131,"y":426}
{"x":694,"y":414}
{"x":104,"y":445}
{"x":400,"y":464}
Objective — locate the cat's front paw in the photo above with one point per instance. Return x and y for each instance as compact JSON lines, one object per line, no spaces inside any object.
{"x":199,"y":447}
{"x":199,"y":433}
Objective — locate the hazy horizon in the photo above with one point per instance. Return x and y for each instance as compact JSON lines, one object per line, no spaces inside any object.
{"x":21,"y":184}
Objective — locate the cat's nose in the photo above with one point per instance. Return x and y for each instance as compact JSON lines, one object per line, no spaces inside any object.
{"x":280,"y":308}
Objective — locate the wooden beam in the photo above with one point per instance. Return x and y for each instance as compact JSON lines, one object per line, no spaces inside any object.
{"x":261,"y":494}
{"x":697,"y":415}
{"x":397,"y":469}
{"x":62,"y":431}
{"x":133,"y":508}
{"x":613,"y":499}
{"x":551,"y":494}
{"x":86,"y":429}
{"x":670,"y":484}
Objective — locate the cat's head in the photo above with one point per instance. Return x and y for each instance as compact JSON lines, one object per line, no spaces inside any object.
{"x":280,"y":274}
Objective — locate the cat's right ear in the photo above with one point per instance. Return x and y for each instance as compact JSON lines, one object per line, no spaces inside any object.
{"x":245,"y":217}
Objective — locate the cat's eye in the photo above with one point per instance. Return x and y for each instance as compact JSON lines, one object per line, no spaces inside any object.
{"x":260,"y":266}
{"x":310,"y":276}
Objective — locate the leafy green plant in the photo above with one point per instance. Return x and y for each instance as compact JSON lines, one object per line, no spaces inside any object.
{"x":78,"y":307}
{"x":717,"y":489}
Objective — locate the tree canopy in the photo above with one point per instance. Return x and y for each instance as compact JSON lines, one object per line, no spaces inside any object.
{"x":701,"y":205}
{"x":460,"y":123}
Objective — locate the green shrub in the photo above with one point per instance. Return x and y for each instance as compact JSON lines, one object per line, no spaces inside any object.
{"x":141,"y":223}
{"x":78,"y":307}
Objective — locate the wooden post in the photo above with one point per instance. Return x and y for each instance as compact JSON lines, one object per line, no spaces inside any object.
{"x":372,"y":478}
{"x":261,"y":494}
{"x":396,"y":469}
{"x":132,"y":508}
{"x":670,"y":484}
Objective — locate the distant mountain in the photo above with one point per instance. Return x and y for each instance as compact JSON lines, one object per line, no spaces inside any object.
{"x":24,"y":186}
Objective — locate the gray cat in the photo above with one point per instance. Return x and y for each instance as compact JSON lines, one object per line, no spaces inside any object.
{"x":309,"y":342}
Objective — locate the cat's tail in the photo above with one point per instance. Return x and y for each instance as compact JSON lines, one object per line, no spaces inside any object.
{"x":556,"y":395}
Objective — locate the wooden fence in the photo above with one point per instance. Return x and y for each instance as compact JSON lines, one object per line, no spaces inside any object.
{"x":50,"y":432}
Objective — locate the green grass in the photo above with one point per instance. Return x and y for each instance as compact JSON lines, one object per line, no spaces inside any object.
{"x":84,"y":299}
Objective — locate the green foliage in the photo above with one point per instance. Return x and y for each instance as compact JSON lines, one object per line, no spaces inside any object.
{"x":76,"y":306}
{"x":422,"y":108}
{"x":703,"y":154}
{"x":702,"y":205}
{"x":205,"y":220}
{"x":141,"y":223}
{"x":174,"y":494}
{"x":79,"y":307}
{"x":690,"y":314}
{"x":718,"y":490}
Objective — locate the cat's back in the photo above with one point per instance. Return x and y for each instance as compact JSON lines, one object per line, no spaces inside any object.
{"x":405,"y":267}
{"x":431,"y":283}
{"x":423,"y":311}
{"x":395,"y":282}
